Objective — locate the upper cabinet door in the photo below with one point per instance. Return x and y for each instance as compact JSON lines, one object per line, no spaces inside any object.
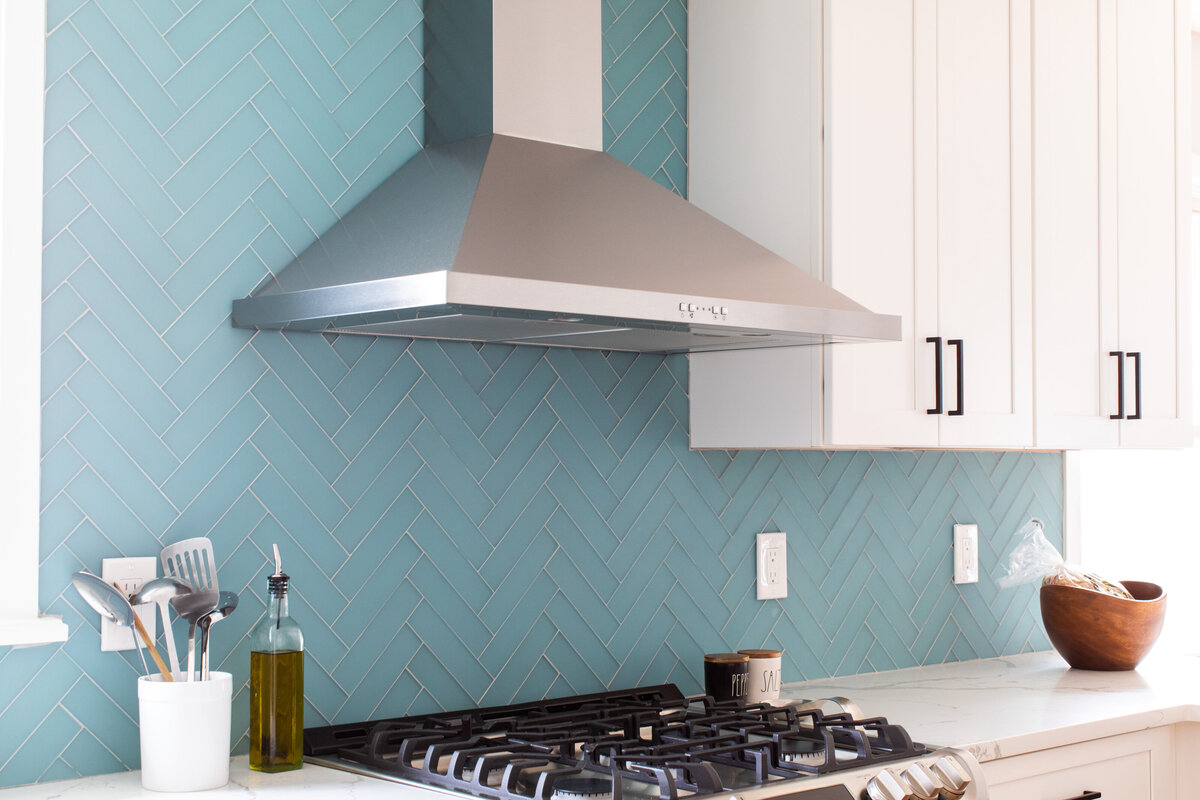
{"x":1151,"y":191}
{"x":877,"y":394}
{"x":1075,"y":322}
{"x":928,"y":216}
{"x":1111,"y":197}
{"x":983,"y":220}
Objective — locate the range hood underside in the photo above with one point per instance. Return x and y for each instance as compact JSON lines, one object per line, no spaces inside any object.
{"x":485,"y":308}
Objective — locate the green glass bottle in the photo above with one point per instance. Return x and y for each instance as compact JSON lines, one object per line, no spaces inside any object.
{"x":276,"y":683}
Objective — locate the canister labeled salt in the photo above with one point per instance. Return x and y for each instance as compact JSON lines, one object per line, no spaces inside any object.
{"x":765,"y":675}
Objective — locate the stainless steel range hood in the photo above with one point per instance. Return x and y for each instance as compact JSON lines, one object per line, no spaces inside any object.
{"x":505,"y":238}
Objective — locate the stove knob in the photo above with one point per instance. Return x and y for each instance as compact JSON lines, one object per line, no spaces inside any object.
{"x":922,"y":782}
{"x":954,"y":782}
{"x":885,"y":786}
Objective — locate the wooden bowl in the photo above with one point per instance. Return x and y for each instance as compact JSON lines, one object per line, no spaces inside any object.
{"x":1092,"y":630}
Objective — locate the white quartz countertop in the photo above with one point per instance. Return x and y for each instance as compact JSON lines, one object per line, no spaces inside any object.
{"x":999,"y":707}
{"x":309,"y":782}
{"x":995,"y":708}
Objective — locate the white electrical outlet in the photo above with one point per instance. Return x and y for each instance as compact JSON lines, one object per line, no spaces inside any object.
{"x":129,"y":574}
{"x":966,"y":554}
{"x":772,"y":565}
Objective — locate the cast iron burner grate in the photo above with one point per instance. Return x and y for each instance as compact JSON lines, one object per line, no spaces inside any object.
{"x":653,"y":741}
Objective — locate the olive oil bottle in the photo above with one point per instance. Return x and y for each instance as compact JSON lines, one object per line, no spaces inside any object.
{"x":276,"y":683}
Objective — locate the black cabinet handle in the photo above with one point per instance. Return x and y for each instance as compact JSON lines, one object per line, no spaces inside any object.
{"x":957,"y":344}
{"x":937,"y":375}
{"x":1137,"y":385}
{"x":1086,"y":796}
{"x":1120,"y":384}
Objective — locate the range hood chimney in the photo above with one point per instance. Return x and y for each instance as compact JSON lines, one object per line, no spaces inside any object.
{"x":512,"y":226}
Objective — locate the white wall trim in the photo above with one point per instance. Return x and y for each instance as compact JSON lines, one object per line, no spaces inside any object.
{"x":22,"y":102}
{"x":1195,"y":180}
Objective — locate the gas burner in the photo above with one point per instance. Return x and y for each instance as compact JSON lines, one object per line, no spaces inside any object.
{"x":582,"y":789}
{"x":640,"y":744}
{"x":802,"y":751}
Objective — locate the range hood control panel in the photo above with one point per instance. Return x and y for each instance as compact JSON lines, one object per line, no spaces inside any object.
{"x":712,"y":308}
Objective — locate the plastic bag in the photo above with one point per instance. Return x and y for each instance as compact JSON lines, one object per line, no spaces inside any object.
{"x":1034,"y":558}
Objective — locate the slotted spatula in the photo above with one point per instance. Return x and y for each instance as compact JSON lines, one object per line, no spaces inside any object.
{"x":192,"y":562}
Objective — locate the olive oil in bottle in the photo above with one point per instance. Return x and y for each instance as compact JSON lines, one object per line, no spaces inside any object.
{"x":276,"y":683}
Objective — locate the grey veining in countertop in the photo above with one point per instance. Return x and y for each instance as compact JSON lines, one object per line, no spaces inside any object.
{"x":999,"y":707}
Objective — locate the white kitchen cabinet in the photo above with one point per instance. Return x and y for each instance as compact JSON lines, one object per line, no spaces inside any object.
{"x":1110,"y":223}
{"x":876,"y":394}
{"x":982,"y":161}
{"x":1132,"y":766}
{"x":1028,"y":204}
{"x":923,"y":181}
{"x":754,"y":125}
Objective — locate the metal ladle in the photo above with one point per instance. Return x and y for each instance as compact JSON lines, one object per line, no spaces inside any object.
{"x":160,"y":591}
{"x":191,"y":607}
{"x":108,"y":601}
{"x":226,"y":605}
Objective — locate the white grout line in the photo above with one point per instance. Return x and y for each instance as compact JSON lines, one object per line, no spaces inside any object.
{"x":135,"y":52}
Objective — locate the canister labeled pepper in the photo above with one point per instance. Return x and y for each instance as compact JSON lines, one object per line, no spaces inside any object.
{"x":726,"y":676}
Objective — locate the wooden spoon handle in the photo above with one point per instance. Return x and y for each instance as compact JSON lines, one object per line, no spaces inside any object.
{"x":141,"y":629}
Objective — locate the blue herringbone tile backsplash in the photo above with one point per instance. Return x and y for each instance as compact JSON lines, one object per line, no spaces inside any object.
{"x":463,"y":524}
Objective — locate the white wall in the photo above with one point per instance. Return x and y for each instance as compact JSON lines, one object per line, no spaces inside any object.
{"x":1139,"y":520}
{"x":1195,"y":89}
{"x":1139,"y":513}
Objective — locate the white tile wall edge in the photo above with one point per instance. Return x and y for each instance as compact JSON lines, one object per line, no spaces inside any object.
{"x":1072,"y":534}
{"x":22,"y":93}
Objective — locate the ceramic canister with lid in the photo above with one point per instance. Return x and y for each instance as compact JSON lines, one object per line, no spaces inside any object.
{"x":765,"y":675}
{"x":726,"y":676}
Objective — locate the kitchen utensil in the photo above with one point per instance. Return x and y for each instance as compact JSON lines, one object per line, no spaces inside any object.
{"x":191,"y":607}
{"x":160,"y":591}
{"x":1092,"y":630}
{"x":158,"y":662}
{"x":109,"y":602}
{"x":192,"y":562}
{"x":226,"y":605}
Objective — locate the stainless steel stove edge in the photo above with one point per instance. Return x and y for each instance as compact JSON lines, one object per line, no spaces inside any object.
{"x":854,"y":781}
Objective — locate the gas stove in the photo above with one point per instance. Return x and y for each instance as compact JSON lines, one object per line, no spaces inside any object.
{"x":651,"y":743}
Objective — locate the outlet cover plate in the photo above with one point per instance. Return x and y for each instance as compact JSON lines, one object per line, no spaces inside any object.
{"x":772,"y":566}
{"x":966,"y":554}
{"x":129,"y":574}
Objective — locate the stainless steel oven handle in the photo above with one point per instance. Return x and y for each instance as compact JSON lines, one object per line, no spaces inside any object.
{"x":845,"y":704}
{"x":849,"y":706}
